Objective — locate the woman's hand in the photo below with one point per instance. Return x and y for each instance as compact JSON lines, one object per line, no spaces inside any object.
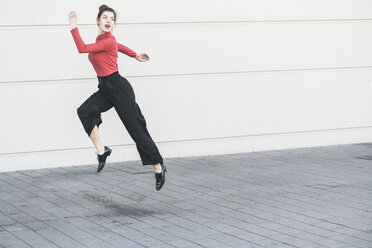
{"x":73,"y":19}
{"x":142,"y":57}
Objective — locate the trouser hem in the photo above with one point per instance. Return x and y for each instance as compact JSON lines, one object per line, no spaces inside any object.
{"x":94,"y":122}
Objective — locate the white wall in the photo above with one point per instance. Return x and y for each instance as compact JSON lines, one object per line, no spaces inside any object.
{"x":225,"y":76}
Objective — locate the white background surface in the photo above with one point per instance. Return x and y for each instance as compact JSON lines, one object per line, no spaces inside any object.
{"x":224,"y":77}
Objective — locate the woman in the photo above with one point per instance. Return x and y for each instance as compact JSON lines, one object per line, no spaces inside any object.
{"x":114,"y":91}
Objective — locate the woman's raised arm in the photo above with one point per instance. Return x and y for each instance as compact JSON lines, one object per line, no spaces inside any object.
{"x":101,"y":45}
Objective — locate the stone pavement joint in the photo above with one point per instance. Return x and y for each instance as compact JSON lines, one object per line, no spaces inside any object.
{"x":306,"y":198}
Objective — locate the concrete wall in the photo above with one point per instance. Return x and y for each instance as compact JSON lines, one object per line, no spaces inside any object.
{"x":225,"y":76}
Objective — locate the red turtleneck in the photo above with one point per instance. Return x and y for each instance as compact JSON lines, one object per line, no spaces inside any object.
{"x":104,"y":53}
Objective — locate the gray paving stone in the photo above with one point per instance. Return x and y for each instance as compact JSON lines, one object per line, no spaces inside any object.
{"x":361,"y":244}
{"x":36,"y":240}
{"x":6,"y":220}
{"x":345,"y":239}
{"x":53,"y":235}
{"x":208,"y":242}
{"x":75,"y":233}
{"x":308,"y":198}
{"x":294,"y":241}
{"x":269,"y":243}
{"x":163,"y":246}
{"x":182,"y":243}
{"x":10,"y":240}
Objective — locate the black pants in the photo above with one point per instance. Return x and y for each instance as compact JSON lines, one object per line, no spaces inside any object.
{"x":115,"y":91}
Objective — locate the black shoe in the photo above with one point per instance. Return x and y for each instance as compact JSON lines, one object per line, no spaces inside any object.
{"x":102,"y":158}
{"x":160,"y":177}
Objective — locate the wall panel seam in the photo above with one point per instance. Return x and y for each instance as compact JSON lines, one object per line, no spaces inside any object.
{"x":201,"y":139}
{"x":196,"y":22}
{"x":197,"y":74}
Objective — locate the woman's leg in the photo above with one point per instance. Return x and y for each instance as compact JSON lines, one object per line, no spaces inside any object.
{"x":132,"y":118}
{"x":90,"y":115}
{"x":94,"y":136}
{"x":157,"y":168}
{"x":123,"y":99}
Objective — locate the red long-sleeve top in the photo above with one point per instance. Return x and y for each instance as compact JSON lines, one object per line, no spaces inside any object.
{"x":104,"y":53}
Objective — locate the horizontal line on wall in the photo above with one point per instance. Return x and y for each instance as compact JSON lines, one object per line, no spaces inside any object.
{"x":198,"y":74}
{"x":197,"y":22}
{"x":196,"y":140}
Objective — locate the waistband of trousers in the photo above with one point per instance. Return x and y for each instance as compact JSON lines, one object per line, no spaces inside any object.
{"x":115,"y":74}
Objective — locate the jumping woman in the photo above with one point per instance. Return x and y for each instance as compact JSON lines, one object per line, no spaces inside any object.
{"x":114,"y":91}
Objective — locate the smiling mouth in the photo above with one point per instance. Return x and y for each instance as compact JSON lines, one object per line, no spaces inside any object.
{"x":107,"y":26}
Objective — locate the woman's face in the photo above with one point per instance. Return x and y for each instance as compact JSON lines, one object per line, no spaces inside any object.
{"x":106,"y":21}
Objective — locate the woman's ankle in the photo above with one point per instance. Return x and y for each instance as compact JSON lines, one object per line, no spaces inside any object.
{"x":100,"y":150}
{"x":157,"y":168}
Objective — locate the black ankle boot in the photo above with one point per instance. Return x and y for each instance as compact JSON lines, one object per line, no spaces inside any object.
{"x":102,"y":158}
{"x":160,"y":177}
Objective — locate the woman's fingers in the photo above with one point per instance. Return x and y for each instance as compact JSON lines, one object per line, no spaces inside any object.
{"x":145,"y":56}
{"x":72,"y":14}
{"x":142,"y":57}
{"x":72,"y":18}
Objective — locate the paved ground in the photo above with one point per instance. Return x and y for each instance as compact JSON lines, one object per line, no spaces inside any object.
{"x":306,"y":198}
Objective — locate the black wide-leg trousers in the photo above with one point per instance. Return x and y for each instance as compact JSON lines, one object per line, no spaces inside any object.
{"x":115,"y":91}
